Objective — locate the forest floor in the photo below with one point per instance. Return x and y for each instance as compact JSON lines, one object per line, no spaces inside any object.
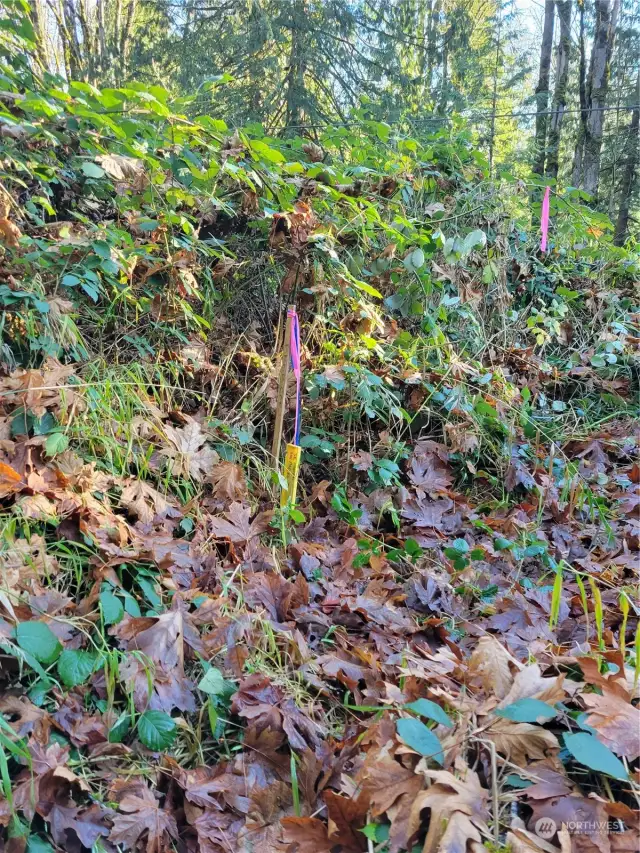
{"x":437,"y":648}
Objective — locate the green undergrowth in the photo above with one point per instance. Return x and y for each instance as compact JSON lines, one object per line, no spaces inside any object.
{"x":146,"y":267}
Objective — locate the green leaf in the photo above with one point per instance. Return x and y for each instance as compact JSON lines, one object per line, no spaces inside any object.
{"x":36,"y":844}
{"x":92,"y":170}
{"x":461,"y":546}
{"x":366,"y":288}
{"x":271,"y":155}
{"x":588,"y":750}
{"x":56,"y":443}
{"x":156,"y":730}
{"x":111,"y":606}
{"x":502,"y":544}
{"x":213,"y":717}
{"x":416,"y":735}
{"x":76,"y":665}
{"x":39,"y":640}
{"x":149,"y":592}
{"x":70,"y":280}
{"x":44,"y":425}
{"x":527,"y":711}
{"x":39,"y":690}
{"x":414,"y":260}
{"x":430,"y":710}
{"x":148,"y":224}
{"x":131,"y":606}
{"x":120,"y":728}
{"x":102,"y":248}
{"x":212,"y":682}
{"x":475,"y":238}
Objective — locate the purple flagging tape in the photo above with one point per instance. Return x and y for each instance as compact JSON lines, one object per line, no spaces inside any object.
{"x":294,"y":347}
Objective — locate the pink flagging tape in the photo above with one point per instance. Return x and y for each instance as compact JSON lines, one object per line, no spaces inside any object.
{"x":544,"y":220}
{"x":294,"y":347}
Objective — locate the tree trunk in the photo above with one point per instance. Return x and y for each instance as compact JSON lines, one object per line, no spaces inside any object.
{"x":86,"y":51}
{"x":295,"y":74}
{"x":494,"y":99}
{"x":72,"y":51}
{"x":629,"y":172}
{"x":117,"y":27}
{"x":560,"y":89}
{"x":582,"y":87}
{"x":542,"y":89}
{"x":606,"y":20}
{"x":102,"y":39}
{"x":444,"y":91}
{"x":433,"y":19}
{"x":41,"y":50}
{"x":125,"y":41}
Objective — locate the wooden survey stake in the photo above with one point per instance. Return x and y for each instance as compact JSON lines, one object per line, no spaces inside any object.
{"x":282,"y":394}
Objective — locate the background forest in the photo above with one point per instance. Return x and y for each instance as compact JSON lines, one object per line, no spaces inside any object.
{"x":433,"y":648}
{"x":296,"y":65}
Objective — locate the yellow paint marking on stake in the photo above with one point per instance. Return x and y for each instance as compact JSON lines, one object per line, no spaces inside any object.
{"x":291,"y":470}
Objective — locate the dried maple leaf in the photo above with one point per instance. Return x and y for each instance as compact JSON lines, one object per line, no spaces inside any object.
{"x":306,"y":835}
{"x":200,"y":783}
{"x":529,"y":683}
{"x":268,"y":804}
{"x":164,"y":691}
{"x":346,"y":817}
{"x":10,"y":234}
{"x":614,"y":682}
{"x":10,"y":480}
{"x":24,"y":562}
{"x":267,"y":707}
{"x":519,"y":741}
{"x":143,"y":500}
{"x":224,"y":266}
{"x":390,"y":788}
{"x":82,"y":728}
{"x":362,"y":460}
{"x":45,"y":388}
{"x":159,"y":637}
{"x":462,"y":437}
{"x":429,"y":471}
{"x":38,"y":507}
{"x":217,"y":831}
{"x":491,"y":662}
{"x":236,"y":526}
{"x":228,"y":481}
{"x":278,"y":595}
{"x":459,"y":812}
{"x":140,"y":813}
{"x":121,"y":167}
{"x":189,"y":456}
{"x":87,"y":823}
{"x":23,"y":715}
{"x":547,"y":782}
{"x":431,"y":513}
{"x":616,"y":721}
{"x":47,"y":781}
{"x":518,"y":475}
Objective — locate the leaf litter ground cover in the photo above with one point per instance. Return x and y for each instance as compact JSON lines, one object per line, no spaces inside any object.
{"x":437,"y":649}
